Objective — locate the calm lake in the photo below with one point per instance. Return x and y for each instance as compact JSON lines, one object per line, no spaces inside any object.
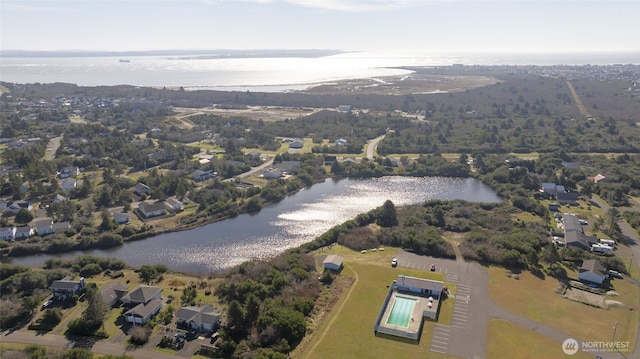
{"x":293,"y":221}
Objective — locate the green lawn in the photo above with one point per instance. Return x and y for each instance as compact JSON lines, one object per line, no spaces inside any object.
{"x":505,"y":337}
{"x":347,"y":332}
{"x":535,"y":299}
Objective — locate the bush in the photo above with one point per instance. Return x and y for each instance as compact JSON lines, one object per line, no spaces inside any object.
{"x":139,"y":335}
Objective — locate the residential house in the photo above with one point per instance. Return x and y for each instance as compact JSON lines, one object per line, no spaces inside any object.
{"x":142,"y":294}
{"x":69,"y":172}
{"x":60,"y":226}
{"x":113,"y":292}
{"x":68,"y":184}
{"x":548,"y":189}
{"x":121,"y":218}
{"x":43,"y":226}
{"x":273,"y":174}
{"x":329,"y":160}
{"x":149,"y":210}
{"x":288,"y":166}
{"x":66,"y":287}
{"x":23,"y":232}
{"x":141,"y":189}
{"x":592,"y":271}
{"x":199,"y":175}
{"x":173,"y":204}
{"x":574,"y":233}
{"x":15,"y":207}
{"x":341,"y":142}
{"x":599,"y":178}
{"x":143,"y":312}
{"x":296,"y":144}
{"x":8,"y":233}
{"x":333,"y":262}
{"x":344,"y":108}
{"x":199,"y":318}
{"x":570,"y":198}
{"x":60,"y":198}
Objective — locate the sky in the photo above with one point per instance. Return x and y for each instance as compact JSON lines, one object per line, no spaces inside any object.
{"x":352,"y":25}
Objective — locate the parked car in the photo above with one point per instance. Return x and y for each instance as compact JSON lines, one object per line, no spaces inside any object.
{"x":432,"y":268}
{"x":47,"y":304}
{"x":614,"y":273}
{"x":394,"y":262}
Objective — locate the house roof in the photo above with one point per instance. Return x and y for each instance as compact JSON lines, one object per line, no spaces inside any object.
{"x":592,"y":265}
{"x":198,"y":315}
{"x":144,"y":310}
{"x":113,"y":291}
{"x":64,"y":283}
{"x":141,"y":294}
{"x":419,"y":283}
{"x":333,"y":259}
{"x":571,"y":223}
{"x":173,"y":202}
{"x":567,"y":196}
{"x":579,"y":239}
{"x":149,"y":207}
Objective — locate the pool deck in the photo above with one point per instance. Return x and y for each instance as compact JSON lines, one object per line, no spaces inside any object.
{"x":419,"y":308}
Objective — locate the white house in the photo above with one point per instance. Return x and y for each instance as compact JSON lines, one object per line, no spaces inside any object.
{"x":173,"y":204}
{"x":44,"y":226}
{"x":333,"y":262}
{"x":199,"y":318}
{"x":592,"y":271}
{"x":8,"y":233}
{"x":66,"y":288}
{"x":23,"y":232}
{"x":152,"y":209}
{"x":142,"y":313}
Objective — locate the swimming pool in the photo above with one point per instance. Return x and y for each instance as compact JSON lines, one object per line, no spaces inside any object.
{"x":401,"y":311}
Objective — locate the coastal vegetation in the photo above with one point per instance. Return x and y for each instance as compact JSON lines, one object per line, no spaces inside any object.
{"x":513,"y":135}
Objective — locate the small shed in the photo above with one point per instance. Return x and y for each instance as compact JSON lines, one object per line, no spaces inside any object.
{"x":333,"y":262}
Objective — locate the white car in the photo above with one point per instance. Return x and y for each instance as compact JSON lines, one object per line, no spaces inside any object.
{"x":394,"y":262}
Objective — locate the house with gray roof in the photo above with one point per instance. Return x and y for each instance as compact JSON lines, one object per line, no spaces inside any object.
{"x":142,"y":294}
{"x":199,"y":318}
{"x":113,"y":292}
{"x":66,"y":287}
{"x":149,"y":210}
{"x":592,"y":271}
{"x":143,"y":312}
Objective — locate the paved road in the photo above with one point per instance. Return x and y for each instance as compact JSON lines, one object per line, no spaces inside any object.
{"x":371,"y":146}
{"x":97,"y":347}
{"x":466,"y":337}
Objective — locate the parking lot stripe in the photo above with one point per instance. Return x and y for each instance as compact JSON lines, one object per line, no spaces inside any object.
{"x":441,"y":327}
{"x":439,"y":342}
{"x":440,"y":346}
{"x":439,"y":351}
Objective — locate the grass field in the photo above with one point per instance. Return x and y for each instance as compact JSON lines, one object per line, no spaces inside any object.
{"x":535,"y":299}
{"x":506,"y":337}
{"x":347,"y":332}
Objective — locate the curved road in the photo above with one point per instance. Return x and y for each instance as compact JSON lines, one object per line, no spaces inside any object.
{"x":372,"y":145}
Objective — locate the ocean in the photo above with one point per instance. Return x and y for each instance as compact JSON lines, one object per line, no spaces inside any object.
{"x":260,"y":74}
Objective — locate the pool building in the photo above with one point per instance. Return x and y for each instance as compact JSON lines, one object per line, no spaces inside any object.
{"x":408,"y":301}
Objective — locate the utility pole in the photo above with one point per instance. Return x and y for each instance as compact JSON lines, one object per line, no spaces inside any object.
{"x":613,"y":339}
